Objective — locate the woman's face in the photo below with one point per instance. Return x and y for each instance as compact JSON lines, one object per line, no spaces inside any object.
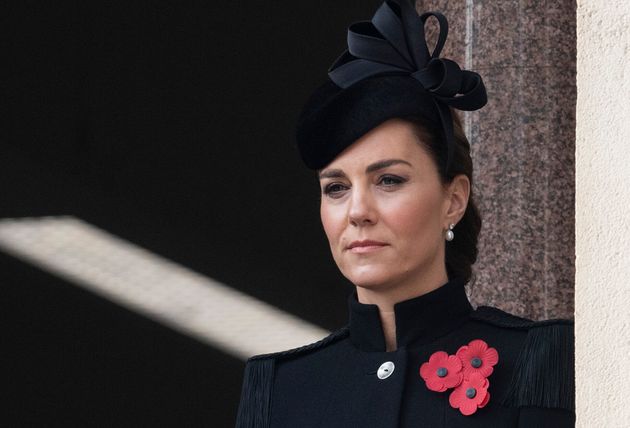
{"x":385,"y":187}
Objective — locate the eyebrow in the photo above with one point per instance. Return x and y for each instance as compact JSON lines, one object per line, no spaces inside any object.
{"x":337,"y":173}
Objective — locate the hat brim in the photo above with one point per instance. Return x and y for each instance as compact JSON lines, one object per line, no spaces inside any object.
{"x":333,"y":118}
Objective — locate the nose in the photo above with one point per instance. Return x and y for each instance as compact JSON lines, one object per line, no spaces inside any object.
{"x":362,"y":210}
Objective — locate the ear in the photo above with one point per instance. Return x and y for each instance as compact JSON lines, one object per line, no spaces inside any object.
{"x":457,"y":194}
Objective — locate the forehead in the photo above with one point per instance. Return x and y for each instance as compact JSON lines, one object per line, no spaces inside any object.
{"x":394,"y":138}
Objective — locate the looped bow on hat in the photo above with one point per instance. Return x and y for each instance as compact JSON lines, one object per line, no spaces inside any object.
{"x":393,"y":42}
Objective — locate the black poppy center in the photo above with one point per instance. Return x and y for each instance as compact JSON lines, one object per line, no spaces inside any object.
{"x":441,"y":372}
{"x":475,"y":362}
{"x":471,"y":392}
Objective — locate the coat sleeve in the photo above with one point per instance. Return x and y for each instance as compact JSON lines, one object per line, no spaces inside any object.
{"x":543,"y":384}
{"x":254,"y":410}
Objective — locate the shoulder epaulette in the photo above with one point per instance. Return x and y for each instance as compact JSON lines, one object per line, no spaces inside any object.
{"x":544,"y":373}
{"x":500,"y":318}
{"x":254,"y":409}
{"x":332,"y":337}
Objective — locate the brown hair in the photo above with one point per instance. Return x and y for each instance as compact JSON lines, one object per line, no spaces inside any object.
{"x":461,"y":252}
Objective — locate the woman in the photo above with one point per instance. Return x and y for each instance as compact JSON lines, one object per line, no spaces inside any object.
{"x":396,"y":176}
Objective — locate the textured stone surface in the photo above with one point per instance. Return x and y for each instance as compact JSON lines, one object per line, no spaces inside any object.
{"x":602,"y":294}
{"x":455,"y":47}
{"x":523,"y":145}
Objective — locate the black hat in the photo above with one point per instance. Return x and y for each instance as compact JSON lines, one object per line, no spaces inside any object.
{"x":386,"y":72}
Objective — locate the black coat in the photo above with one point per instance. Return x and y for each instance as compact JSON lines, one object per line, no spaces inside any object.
{"x":336,"y":382}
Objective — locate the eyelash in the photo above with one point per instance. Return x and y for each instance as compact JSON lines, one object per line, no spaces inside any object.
{"x":398,"y":181}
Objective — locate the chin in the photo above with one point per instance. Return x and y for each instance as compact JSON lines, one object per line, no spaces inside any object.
{"x":369,"y":277}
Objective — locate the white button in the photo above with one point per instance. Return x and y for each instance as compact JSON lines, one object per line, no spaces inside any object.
{"x":385,"y":370}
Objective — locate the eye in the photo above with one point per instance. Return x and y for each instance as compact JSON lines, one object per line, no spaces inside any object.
{"x":391,"y":180}
{"x":334,"y":190}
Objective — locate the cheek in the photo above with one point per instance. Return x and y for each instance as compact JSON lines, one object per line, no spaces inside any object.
{"x":416,"y":219}
{"x":332,"y":221}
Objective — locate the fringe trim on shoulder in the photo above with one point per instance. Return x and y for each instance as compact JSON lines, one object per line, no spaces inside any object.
{"x":544,"y":371}
{"x":254,"y":410}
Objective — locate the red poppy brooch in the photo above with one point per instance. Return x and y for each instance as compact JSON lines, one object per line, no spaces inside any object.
{"x":467,"y":371}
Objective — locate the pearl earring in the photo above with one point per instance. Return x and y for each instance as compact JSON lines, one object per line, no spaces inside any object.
{"x":449,"y":233}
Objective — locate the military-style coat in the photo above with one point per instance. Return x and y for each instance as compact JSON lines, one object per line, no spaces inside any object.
{"x":348,"y":379}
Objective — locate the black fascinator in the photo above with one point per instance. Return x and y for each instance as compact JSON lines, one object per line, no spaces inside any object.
{"x":387,"y":71}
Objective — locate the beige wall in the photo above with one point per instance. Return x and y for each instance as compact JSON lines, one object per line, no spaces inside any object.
{"x":602,"y":289}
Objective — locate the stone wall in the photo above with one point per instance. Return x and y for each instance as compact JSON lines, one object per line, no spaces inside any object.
{"x":523,"y":144}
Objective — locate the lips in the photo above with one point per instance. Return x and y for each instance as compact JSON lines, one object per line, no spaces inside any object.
{"x":366,"y":244}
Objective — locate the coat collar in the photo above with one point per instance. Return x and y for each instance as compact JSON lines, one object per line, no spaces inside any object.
{"x":418,"y":320}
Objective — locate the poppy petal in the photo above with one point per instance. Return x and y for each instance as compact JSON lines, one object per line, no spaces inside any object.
{"x":453,"y":381}
{"x":477,"y":347}
{"x":456,"y":397}
{"x":468,"y":407}
{"x":436,"y":384}
{"x":425,"y":371}
{"x":437,"y":357}
{"x":491,"y":357}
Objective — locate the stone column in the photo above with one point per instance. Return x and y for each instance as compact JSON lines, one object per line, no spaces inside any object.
{"x":523,"y":144}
